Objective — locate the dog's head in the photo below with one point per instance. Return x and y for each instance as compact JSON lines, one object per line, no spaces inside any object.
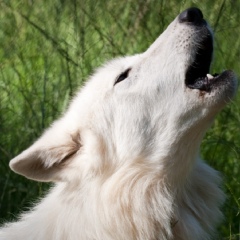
{"x":142,"y":108}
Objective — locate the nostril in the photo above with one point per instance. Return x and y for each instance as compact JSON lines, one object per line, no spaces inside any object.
{"x":191,"y":15}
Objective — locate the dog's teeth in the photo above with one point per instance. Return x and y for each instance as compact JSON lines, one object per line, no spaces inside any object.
{"x":209,"y":76}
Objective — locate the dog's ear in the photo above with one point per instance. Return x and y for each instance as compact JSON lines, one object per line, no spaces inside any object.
{"x":48,"y":158}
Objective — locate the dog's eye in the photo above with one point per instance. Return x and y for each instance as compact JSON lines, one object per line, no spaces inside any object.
{"x":122,"y":76}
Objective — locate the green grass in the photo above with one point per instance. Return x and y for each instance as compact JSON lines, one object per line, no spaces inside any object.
{"x":48,"y":48}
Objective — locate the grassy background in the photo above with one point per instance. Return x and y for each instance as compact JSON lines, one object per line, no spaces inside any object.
{"x":48,"y":48}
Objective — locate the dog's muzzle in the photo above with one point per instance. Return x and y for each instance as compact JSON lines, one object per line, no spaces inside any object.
{"x":197,"y":74}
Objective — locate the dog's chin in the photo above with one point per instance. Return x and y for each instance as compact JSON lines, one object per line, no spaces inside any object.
{"x":225,"y":84}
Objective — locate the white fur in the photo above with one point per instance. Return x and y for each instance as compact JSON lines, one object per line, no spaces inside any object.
{"x":125,"y":157}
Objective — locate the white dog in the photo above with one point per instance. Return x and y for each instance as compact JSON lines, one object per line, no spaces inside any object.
{"x":125,"y":156}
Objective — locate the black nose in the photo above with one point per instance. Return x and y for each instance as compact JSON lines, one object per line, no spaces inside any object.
{"x":191,"y":15}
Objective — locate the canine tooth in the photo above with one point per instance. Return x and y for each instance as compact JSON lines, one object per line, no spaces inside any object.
{"x":210,"y":76}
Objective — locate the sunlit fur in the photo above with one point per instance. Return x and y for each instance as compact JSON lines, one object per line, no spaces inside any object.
{"x":125,"y":157}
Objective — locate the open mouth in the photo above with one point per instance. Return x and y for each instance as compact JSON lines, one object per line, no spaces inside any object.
{"x":197,"y":75}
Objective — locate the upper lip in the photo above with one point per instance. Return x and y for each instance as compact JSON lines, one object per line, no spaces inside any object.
{"x":197,"y":76}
